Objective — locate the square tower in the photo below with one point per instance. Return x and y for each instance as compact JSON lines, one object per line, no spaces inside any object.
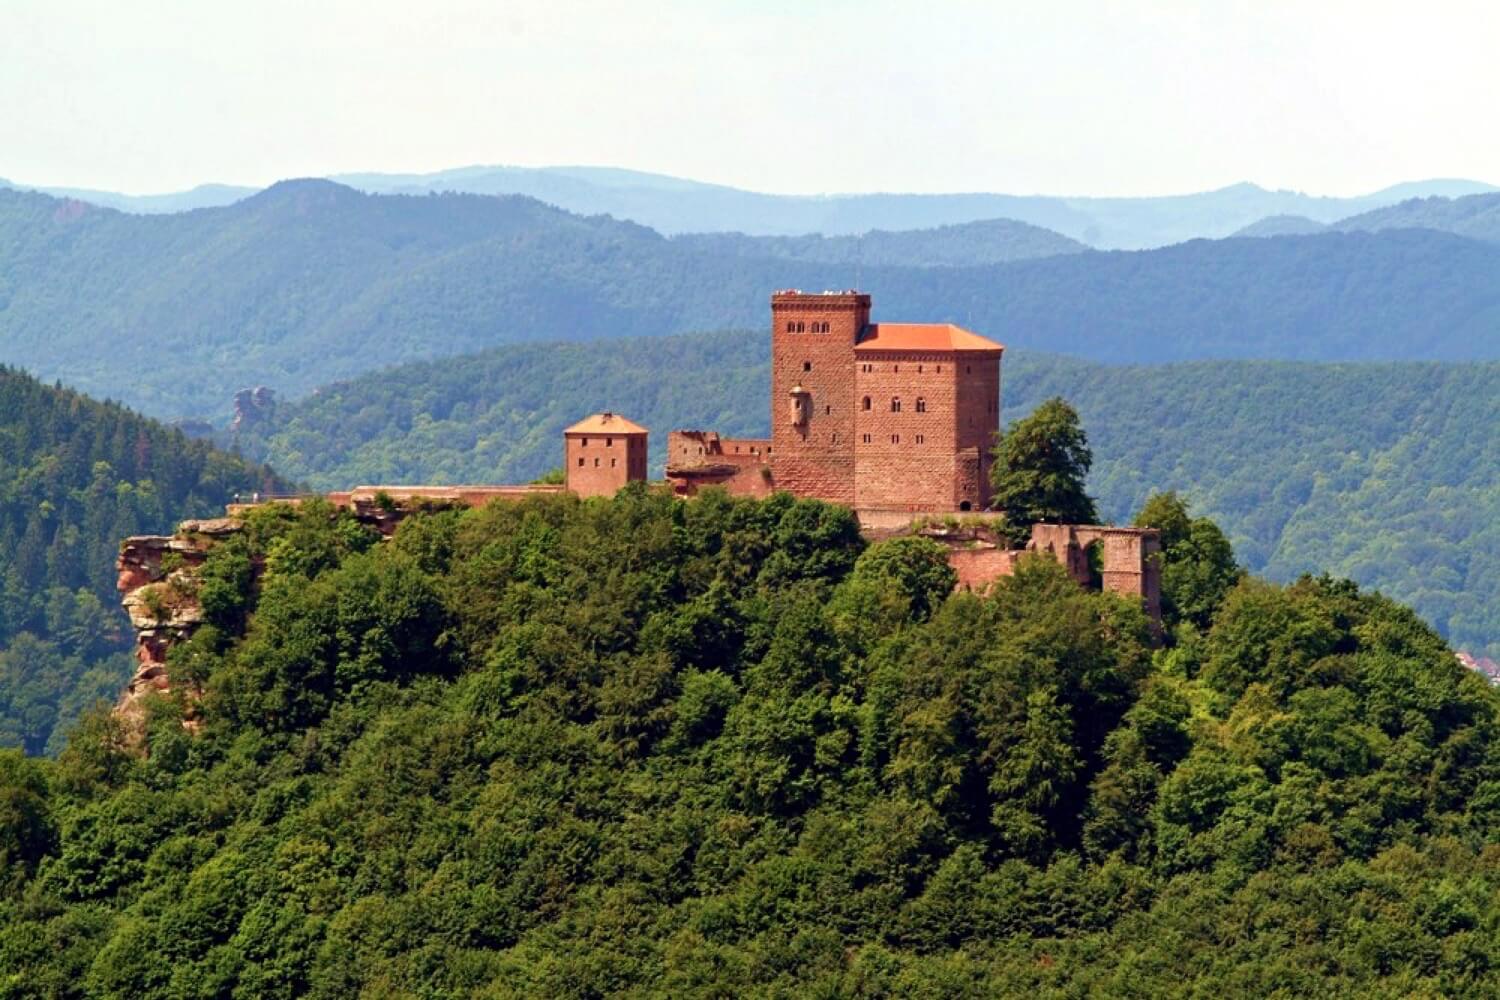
{"x":812,"y":391}
{"x":602,"y":453}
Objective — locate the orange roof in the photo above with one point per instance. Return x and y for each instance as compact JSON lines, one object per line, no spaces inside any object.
{"x":923,"y":337}
{"x":606,"y":423}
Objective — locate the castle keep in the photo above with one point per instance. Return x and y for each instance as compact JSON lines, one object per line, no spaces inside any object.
{"x":881,"y":417}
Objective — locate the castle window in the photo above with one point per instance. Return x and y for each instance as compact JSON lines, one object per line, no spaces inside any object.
{"x":896,"y":404}
{"x":866,"y":368}
{"x":580,"y":461}
{"x":895,"y":439}
{"x":865,"y":403}
{"x":867,"y":439}
{"x":799,"y":327}
{"x":920,"y":439}
{"x":827,"y":410}
{"x":807,"y":366}
{"x":940,"y":369}
{"x":919,"y":369}
{"x":609,"y":442}
{"x":585,"y":442}
{"x":611,"y":463}
{"x":596,"y":463}
{"x":834,"y":439}
{"x":895,"y":368}
{"x":791,"y":327}
{"x":921,"y":405}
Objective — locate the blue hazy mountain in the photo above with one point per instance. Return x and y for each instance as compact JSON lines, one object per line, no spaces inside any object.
{"x":675,"y":205}
{"x":311,"y":281}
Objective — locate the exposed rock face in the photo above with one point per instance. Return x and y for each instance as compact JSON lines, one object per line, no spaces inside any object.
{"x":251,"y":406}
{"x":158,"y":586}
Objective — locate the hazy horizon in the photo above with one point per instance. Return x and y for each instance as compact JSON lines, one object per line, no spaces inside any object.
{"x":1080,"y":99}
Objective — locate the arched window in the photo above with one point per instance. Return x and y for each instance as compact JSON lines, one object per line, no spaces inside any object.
{"x":921,"y":405}
{"x":791,"y":327}
{"x":865,"y":403}
{"x":965,"y":505}
{"x":825,"y":327}
{"x":807,"y":366}
{"x":799,"y":327}
{"x":896,"y":404}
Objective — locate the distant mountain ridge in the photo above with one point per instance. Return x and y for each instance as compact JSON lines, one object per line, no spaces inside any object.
{"x":674,"y":205}
{"x":310,"y":281}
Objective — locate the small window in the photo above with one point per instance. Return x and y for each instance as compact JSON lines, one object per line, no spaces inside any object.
{"x":895,"y":439}
{"x":896,"y":404}
{"x":585,"y":442}
{"x":920,"y":439}
{"x":921,"y":405}
{"x":895,"y":368}
{"x":866,"y":368}
{"x":865,"y":403}
{"x":867,"y":439}
{"x":609,"y":442}
{"x":825,"y":327}
{"x":596,"y":463}
{"x":611,"y":463}
{"x":807,"y":366}
{"x":799,"y":327}
{"x":791,"y":327}
{"x":580,"y":461}
{"x":827,"y":410}
{"x":834,"y":439}
{"x":940,"y":369}
{"x":919,"y":369}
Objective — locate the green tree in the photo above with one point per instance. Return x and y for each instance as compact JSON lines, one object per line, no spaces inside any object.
{"x":1198,"y":565}
{"x":1041,"y":464}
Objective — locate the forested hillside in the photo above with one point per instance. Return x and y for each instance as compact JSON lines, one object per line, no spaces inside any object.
{"x":636,"y":747}
{"x":76,"y":477}
{"x":992,"y":241}
{"x":309,"y":282}
{"x":1476,"y":216}
{"x":1382,"y":472}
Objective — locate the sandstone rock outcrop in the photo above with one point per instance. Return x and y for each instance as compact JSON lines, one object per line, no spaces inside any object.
{"x":158,"y":586}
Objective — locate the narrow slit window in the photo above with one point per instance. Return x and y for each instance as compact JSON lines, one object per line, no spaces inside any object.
{"x":921,"y":405}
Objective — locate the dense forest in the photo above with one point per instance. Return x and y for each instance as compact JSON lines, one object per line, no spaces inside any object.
{"x":1381,"y":472}
{"x":309,"y":282}
{"x":76,"y":477}
{"x":994,"y":241}
{"x":646,"y":748}
{"x":1476,"y":216}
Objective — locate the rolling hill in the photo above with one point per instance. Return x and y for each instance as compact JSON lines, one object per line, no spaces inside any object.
{"x":309,"y":282}
{"x":1476,"y":216}
{"x":1382,"y":472}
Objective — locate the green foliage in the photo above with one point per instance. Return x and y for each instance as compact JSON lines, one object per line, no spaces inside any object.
{"x":1198,"y":567}
{"x":1041,"y":464}
{"x":76,"y":477}
{"x":636,"y":746}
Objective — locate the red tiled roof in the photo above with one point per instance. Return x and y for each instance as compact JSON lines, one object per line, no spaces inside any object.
{"x":923,"y":337}
{"x":605,"y":423}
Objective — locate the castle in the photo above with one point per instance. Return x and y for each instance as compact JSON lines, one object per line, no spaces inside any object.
{"x":893,"y":420}
{"x":886,"y":418}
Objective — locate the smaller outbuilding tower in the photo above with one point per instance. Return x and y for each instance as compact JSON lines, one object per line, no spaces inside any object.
{"x":602,"y":453}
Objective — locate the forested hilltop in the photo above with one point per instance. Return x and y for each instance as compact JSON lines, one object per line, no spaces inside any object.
{"x":76,"y":477}
{"x":641,"y":747}
{"x":309,"y":282}
{"x":1381,"y":472}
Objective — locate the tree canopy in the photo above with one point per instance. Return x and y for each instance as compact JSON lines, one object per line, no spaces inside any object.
{"x":1041,"y":467}
{"x":644,"y":747}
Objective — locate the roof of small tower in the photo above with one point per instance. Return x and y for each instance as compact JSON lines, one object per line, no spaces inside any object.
{"x":606,"y":423}
{"x":923,"y":337}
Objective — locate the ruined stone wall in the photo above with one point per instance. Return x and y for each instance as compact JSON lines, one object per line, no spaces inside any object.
{"x":813,"y":455}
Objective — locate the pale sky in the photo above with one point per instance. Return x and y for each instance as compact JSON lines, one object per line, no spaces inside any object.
{"x":1042,"y":96}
